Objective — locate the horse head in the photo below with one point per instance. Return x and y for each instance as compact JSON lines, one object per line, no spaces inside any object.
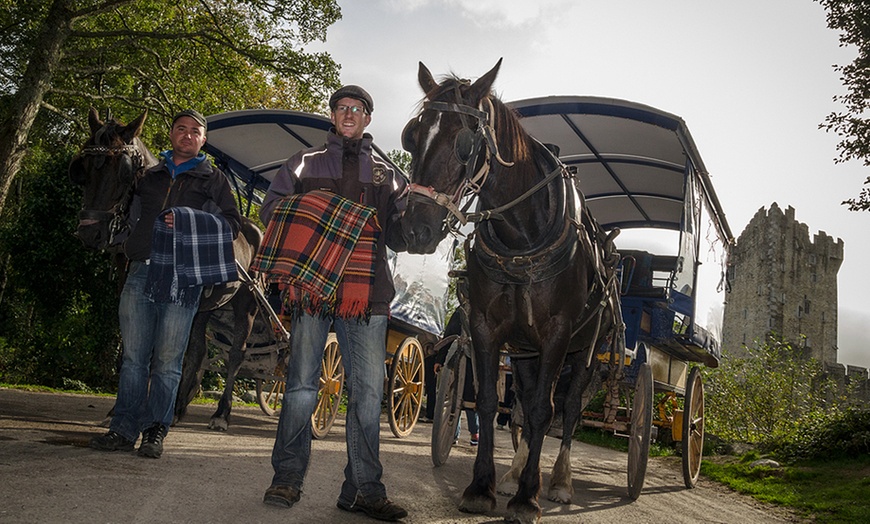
{"x":451,"y":143}
{"x":107,"y":167}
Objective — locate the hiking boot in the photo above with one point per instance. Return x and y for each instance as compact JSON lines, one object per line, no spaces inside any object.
{"x":381,"y":509}
{"x":112,"y":441}
{"x":284,"y":496}
{"x":152,"y":441}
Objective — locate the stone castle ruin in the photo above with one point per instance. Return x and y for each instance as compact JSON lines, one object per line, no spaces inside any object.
{"x":783,"y":282}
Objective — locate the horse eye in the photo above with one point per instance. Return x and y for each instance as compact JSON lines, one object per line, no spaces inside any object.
{"x":408,"y":140}
{"x":464,"y":145}
{"x":76,"y":171}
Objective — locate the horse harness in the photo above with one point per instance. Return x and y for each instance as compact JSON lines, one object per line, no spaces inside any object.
{"x":116,"y":217}
{"x":555,"y":252}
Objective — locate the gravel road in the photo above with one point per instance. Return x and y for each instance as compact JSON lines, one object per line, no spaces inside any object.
{"x":50,"y":475}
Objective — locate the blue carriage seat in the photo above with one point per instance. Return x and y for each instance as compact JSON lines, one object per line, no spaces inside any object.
{"x":639,"y":277}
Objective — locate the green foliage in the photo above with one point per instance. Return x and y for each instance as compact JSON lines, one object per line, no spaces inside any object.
{"x":401,"y":159}
{"x":827,"y":435}
{"x":58,"y":312}
{"x":764,"y":398}
{"x":851,"y":18}
{"x":162,"y":55}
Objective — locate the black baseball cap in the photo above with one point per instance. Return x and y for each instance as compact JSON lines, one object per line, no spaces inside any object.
{"x":192,"y":113}
{"x":352,"y":91}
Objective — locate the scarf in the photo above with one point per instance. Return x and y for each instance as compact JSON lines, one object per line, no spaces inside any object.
{"x":197,"y":251}
{"x":321,"y":248}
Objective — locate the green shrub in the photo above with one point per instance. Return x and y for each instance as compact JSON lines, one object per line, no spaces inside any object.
{"x":774,"y":397}
{"x":835,"y":434}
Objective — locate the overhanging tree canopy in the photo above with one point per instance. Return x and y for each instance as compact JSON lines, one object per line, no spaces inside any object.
{"x":216,"y":55}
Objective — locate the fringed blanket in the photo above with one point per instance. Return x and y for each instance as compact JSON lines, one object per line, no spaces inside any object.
{"x":320,"y":247}
{"x":196,"y":251}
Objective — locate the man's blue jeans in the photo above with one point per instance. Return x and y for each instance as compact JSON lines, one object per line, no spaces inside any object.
{"x":155,"y":337}
{"x":363,"y":350}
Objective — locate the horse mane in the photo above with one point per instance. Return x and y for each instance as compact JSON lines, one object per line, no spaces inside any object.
{"x":511,"y":132}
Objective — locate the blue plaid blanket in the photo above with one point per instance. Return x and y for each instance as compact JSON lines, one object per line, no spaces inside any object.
{"x":197,"y":251}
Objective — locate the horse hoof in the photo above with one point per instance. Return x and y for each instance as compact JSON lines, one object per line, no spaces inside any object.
{"x":477,"y":504}
{"x":517,"y":518}
{"x":523,"y":513}
{"x":560,"y":495}
{"x":218,"y":424}
{"x":507,"y":487}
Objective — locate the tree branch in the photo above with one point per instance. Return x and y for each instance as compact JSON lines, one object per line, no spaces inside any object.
{"x":108,"y":5}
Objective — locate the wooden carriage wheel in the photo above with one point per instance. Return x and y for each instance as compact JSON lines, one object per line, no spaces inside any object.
{"x":270,"y":394}
{"x":405,"y":388}
{"x":640,"y":431}
{"x":329,"y":394}
{"x":693,"y":428}
{"x":448,"y":407}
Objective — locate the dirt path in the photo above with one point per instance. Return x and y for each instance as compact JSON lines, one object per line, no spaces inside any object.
{"x":49,"y":475}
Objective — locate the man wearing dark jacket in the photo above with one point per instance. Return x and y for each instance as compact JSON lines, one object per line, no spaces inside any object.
{"x":343,"y":176}
{"x":155,"y":326}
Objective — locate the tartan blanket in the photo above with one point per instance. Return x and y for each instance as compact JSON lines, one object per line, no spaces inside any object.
{"x":320,"y":248}
{"x":197,"y":251}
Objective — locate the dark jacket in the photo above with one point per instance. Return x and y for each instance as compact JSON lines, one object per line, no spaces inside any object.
{"x":203,"y":187}
{"x":347,"y":168}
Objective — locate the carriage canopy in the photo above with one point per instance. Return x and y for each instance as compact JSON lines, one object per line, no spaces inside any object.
{"x":640,"y":171}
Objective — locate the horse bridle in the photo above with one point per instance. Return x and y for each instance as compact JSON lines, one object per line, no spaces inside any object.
{"x":468,"y":146}
{"x":117,"y":215}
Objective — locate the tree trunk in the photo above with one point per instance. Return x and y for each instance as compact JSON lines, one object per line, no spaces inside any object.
{"x":43,"y":60}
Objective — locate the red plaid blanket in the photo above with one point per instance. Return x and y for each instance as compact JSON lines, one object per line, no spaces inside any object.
{"x":320,"y":248}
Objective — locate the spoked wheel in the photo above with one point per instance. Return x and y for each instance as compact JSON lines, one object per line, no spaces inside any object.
{"x":641,"y":427}
{"x":448,"y":407}
{"x":406,"y":387}
{"x":329,"y":394}
{"x":693,"y":428}
{"x":270,"y":394}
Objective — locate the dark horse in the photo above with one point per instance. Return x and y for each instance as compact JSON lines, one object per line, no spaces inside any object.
{"x":107,"y":168}
{"x":539,"y":269}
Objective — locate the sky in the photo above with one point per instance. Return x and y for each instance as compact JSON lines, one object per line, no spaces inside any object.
{"x":752,"y":80}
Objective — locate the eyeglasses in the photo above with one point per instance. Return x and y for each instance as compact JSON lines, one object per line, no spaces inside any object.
{"x":352,"y":109}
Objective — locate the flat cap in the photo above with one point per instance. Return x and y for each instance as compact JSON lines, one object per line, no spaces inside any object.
{"x":192,"y":113}
{"x":352,"y":91}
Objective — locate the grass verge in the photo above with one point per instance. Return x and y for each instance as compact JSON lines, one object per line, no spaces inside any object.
{"x":824,"y":490}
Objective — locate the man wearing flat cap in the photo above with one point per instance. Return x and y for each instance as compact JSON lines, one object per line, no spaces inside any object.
{"x":155,"y":310}
{"x":333,"y":196}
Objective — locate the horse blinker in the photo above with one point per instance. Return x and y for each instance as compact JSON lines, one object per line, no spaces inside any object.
{"x":464,"y":146}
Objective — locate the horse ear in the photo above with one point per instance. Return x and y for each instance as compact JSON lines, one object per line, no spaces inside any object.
{"x":483,"y":85}
{"x":427,"y":83}
{"x":94,"y":120}
{"x":133,"y":129}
